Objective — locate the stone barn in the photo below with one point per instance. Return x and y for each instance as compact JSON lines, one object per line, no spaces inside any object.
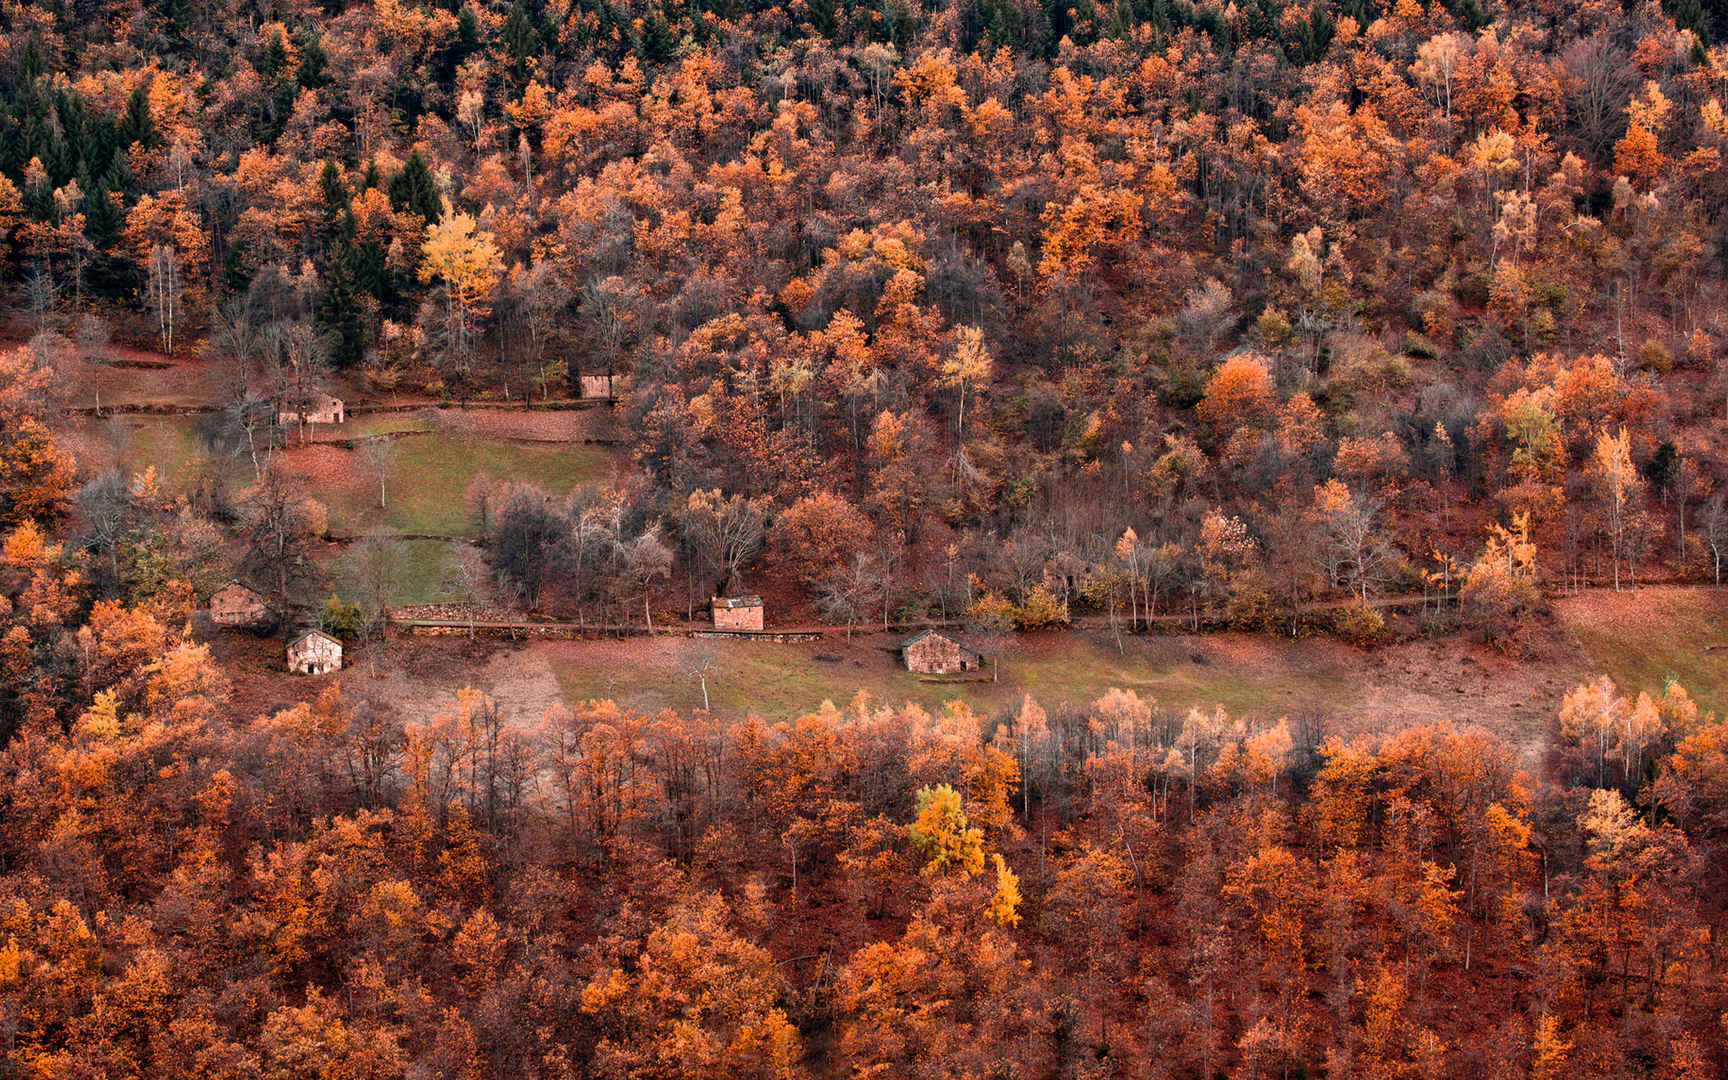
{"x":737,"y":612}
{"x":313,"y":652}
{"x":596,"y":386}
{"x":238,"y":605}
{"x":931,"y":653}
{"x":320,"y":409}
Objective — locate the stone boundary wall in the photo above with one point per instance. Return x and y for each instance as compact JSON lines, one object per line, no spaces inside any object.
{"x":134,"y":408}
{"x":778,"y":636}
{"x":519,"y":631}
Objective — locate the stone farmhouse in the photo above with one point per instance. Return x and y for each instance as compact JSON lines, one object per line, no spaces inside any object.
{"x":237,"y":605}
{"x":313,"y":652}
{"x":737,"y":612}
{"x":597,"y":386}
{"x":931,"y":653}
{"x":319,"y":409}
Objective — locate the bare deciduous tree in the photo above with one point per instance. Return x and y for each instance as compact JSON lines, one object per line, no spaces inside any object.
{"x":645,"y":559}
{"x":1713,"y":524}
{"x":380,"y":560}
{"x":378,"y":456}
{"x":277,"y":539}
{"x":852,"y":593}
{"x":699,"y":666}
{"x":724,"y":533}
{"x":464,"y":578}
{"x":166,"y":288}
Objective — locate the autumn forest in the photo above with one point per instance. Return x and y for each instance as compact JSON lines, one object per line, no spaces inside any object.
{"x":1200,"y":369}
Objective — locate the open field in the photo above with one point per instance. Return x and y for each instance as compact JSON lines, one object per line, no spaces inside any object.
{"x":122,"y":374}
{"x":1442,"y":679}
{"x":133,"y":442}
{"x":1643,"y":639}
{"x":433,"y":467}
{"x":538,"y":425}
{"x":1055,"y":668}
{"x":420,"y":577}
{"x":426,"y":494}
{"x":1430,"y":680}
{"x":134,"y":378}
{"x":1447,"y":679}
{"x":366,"y":424}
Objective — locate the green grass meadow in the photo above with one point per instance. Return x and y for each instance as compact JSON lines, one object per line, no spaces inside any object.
{"x":1643,"y":640}
{"x":782,"y":680}
{"x":420,"y":576}
{"x":426,"y":493}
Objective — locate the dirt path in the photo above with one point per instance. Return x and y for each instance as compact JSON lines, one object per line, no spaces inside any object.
{"x":349,"y":442}
{"x":159,"y":408}
{"x":1181,"y":622}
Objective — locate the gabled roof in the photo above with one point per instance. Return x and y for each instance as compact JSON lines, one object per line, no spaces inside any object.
{"x":305,"y":634}
{"x":236,"y":584}
{"x":737,"y":601}
{"x":313,"y":402}
{"x":933,"y":632}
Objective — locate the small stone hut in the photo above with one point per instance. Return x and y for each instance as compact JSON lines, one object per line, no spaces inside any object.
{"x":313,"y":652}
{"x":238,"y":605}
{"x":1064,"y":574}
{"x":596,"y":386}
{"x":931,"y":653}
{"x":737,"y":612}
{"x":319,"y":409}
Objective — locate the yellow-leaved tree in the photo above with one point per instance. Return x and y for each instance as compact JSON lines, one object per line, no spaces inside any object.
{"x":949,"y":842}
{"x":464,"y":259}
{"x":1500,"y":585}
{"x":1620,"y":490}
{"x":942,"y":834}
{"x":968,"y":366}
{"x":1005,"y":905}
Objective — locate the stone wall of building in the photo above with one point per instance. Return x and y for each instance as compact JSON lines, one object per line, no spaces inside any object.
{"x":237,"y":605}
{"x":739,"y":617}
{"x":314,"y":654}
{"x":934,"y":654}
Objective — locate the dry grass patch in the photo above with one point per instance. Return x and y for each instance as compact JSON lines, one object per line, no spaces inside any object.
{"x":1442,"y":680}
{"x":1645,"y":638}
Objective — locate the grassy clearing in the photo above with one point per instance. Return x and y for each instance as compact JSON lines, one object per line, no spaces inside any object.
{"x":420,"y":579}
{"x":1446,"y":680}
{"x":1242,"y":674}
{"x":376,"y":424}
{"x":1643,"y":639}
{"x":169,"y":443}
{"x":781,"y":680}
{"x":134,"y":442}
{"x":186,"y":384}
{"x":426,"y":493}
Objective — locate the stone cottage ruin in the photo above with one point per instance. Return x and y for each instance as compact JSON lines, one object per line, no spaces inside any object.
{"x":313,"y":652}
{"x":931,"y":653}
{"x":237,"y":605}
{"x":737,"y":612}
